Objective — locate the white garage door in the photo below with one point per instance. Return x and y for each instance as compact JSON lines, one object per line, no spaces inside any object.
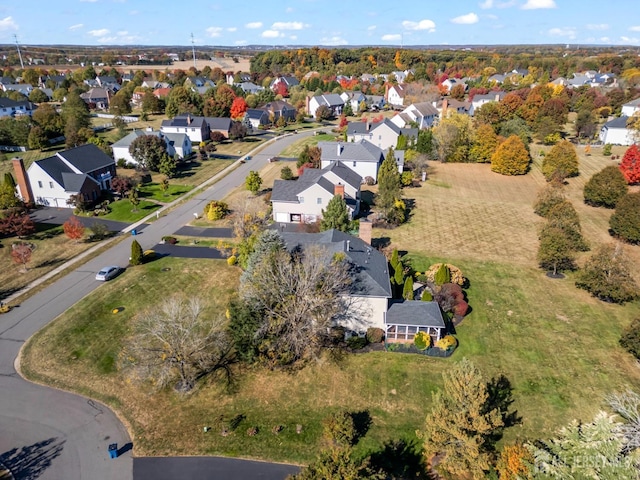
{"x":282,"y":217}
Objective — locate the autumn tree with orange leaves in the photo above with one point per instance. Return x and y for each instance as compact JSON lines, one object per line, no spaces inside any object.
{"x":238,"y":107}
{"x":630,"y":165}
{"x":73,"y":228}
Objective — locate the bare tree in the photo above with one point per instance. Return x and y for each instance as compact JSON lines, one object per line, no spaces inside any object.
{"x":174,"y":344}
{"x":300,"y":294}
{"x":248,"y":215}
{"x":627,"y":405}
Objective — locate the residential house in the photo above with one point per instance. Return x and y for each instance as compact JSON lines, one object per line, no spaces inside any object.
{"x":98,"y":97}
{"x":363,"y":157}
{"x":304,"y":199}
{"x":497,"y":78}
{"x":280,"y":108}
{"x":199,"y":84}
{"x":288,"y":80}
{"x":256,"y":117}
{"x":196,"y":128}
{"x":177,"y":144}
{"x":370,"y":294}
{"x":424,"y":114}
{"x":162,"y":92}
{"x":367,"y":77}
{"x":616,"y":132}
{"x":450,"y":83}
{"x":559,"y":81}
{"x":354,"y":99}
{"x":237,"y":78}
{"x":629,"y":109}
{"x":108,"y":82}
{"x":375,"y":102}
{"x":84,"y":171}
{"x":383,"y":135}
{"x":55,"y":81}
{"x":13,"y":108}
{"x":219,"y":124}
{"x":23,"y":88}
{"x":250,"y":87}
{"x":394,"y":95}
{"x":479,"y":100}
{"x":448,"y":105}
{"x":332,"y":101}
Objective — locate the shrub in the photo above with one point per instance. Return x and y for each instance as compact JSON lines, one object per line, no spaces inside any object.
{"x":630,"y":339}
{"x":375,"y":335}
{"x":356,"y":343}
{"x":286,"y":173}
{"x":121,"y":163}
{"x":369,"y":180}
{"x":606,"y":150}
{"x":426,"y":296}
{"x":461,"y":308}
{"x":137,"y":256}
{"x":446,"y":342}
{"x":552,"y":138}
{"x":449,"y":296}
{"x":422,"y":340}
{"x":98,"y":230}
{"x":216,"y":210}
{"x":548,"y":197}
{"x":338,"y":429}
{"x":605,"y":188}
{"x":561,"y":161}
{"x":455,"y":274}
{"x":406,"y":179}
{"x":232,"y":260}
{"x":625,"y":221}
{"x":442,"y":276}
{"x":169,"y":239}
{"x":148,"y":255}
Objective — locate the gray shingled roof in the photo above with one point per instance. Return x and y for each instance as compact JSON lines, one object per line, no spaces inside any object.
{"x":371,"y":274}
{"x":357,"y":128}
{"x":388,"y":123}
{"x":410,"y":132}
{"x":55,"y":168}
{"x":425,"y":108}
{"x":633,"y":103}
{"x":620,"y":122}
{"x":73,"y":182}
{"x":330,"y":99}
{"x":87,"y":158}
{"x":128,"y":140}
{"x":345,"y":173}
{"x":256,"y":113}
{"x":288,"y":190}
{"x":411,"y":312}
{"x":361,"y":151}
{"x":184,"y":120}
{"x":218,"y":123}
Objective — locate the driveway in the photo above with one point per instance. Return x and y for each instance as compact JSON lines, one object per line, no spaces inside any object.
{"x":52,"y":435}
{"x":57,"y":216}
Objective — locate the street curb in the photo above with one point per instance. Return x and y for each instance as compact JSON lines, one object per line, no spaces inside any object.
{"x":187,"y":195}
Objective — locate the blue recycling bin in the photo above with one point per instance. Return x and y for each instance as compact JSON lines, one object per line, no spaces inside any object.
{"x":134,"y":232}
{"x":113,"y":450}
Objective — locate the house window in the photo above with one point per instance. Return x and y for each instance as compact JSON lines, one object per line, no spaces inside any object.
{"x":319,"y":201}
{"x":301,"y":199}
{"x":50,"y":184}
{"x":379,"y":137}
{"x":354,"y":164}
{"x":39,"y":184}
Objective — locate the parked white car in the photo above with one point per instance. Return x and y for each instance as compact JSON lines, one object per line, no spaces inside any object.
{"x":107,"y":273}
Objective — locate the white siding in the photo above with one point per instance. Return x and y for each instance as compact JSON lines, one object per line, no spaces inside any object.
{"x":369,"y":312}
{"x":364,"y":169}
{"x":123,"y":152}
{"x":51,"y":194}
{"x":629,"y":110}
{"x":617,"y":136}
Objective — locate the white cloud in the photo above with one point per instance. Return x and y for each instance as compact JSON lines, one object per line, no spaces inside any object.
{"x":335,"y":40}
{"x":486,"y":4}
{"x":605,"y":39}
{"x":569,"y":32}
{"x":371,"y":28}
{"x":272,"y":34}
{"x":629,"y":40}
{"x":391,"y":37}
{"x":88,"y":1}
{"x":254,"y":25}
{"x":240,"y":42}
{"x":99,"y":33}
{"x":536,"y":4}
{"x":76,"y":26}
{"x":493,"y":4}
{"x":231,"y":29}
{"x":214,"y":32}
{"x":635,"y":28}
{"x":421,"y":25}
{"x":468,"y":19}
{"x":597,"y":26}
{"x":289,"y":10}
{"x":7,"y":23}
{"x":288,"y":26}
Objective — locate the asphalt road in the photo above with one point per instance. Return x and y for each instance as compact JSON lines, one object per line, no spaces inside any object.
{"x":51,"y":435}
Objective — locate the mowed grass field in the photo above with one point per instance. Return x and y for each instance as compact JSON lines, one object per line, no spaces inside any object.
{"x":557,"y":345}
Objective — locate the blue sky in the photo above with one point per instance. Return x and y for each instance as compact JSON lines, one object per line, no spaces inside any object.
{"x":320,"y":22}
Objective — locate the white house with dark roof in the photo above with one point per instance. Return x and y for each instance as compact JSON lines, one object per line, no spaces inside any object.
{"x":363,"y":157}
{"x":198,"y":129}
{"x":369,"y":296}
{"x":304,"y":199}
{"x":395,"y":95}
{"x":354,"y":99}
{"x":97,"y":96}
{"x":12,"y":108}
{"x":332,"y":101}
{"x":629,"y":109}
{"x":616,"y":132}
{"x":424,"y":114}
{"x":176,"y":144}
{"x":84,"y":170}
{"x":383,"y":135}
{"x":480,"y":100}
{"x":288,"y":80}
{"x":450,"y":83}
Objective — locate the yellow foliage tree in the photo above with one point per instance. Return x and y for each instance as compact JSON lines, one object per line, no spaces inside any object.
{"x":511,"y":157}
{"x":515,"y":463}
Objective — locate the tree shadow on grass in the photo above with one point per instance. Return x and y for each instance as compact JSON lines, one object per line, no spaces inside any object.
{"x":30,"y":462}
{"x":400,"y":459}
{"x":500,"y":397}
{"x":361,"y":422}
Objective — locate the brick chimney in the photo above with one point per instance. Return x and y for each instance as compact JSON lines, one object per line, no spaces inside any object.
{"x":22,"y":180}
{"x":445,"y":105}
{"x":365,"y":231}
{"x":307,"y":104}
{"x":386,"y":92}
{"x":339,"y":190}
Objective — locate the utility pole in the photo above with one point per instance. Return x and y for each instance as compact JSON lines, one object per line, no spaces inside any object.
{"x":193,"y":49}
{"x":19,"y":54}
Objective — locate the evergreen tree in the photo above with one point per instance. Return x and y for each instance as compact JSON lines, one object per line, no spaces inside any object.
{"x":462,"y":423}
{"x":442,"y":276}
{"x":407,"y":291}
{"x":402,"y":142}
{"x":9,"y":180}
{"x":336,"y":215}
{"x":605,"y":188}
{"x":389,"y":185}
{"x":136,"y":253}
{"x":625,"y":221}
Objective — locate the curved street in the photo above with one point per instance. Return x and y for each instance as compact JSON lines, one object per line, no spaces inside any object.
{"x":49,"y":434}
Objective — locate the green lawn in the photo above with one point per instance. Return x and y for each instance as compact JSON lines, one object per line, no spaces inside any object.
{"x":121,"y":211}
{"x":153,"y":191}
{"x":297,"y":148}
{"x":29,"y":157}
